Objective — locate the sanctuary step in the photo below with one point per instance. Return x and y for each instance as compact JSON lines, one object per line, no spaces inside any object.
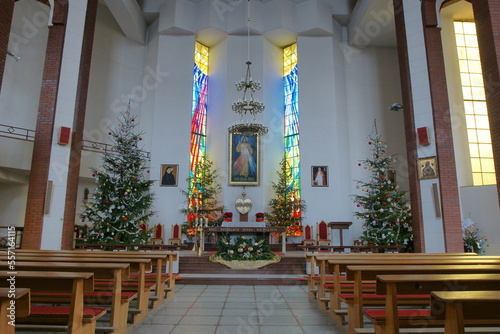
{"x":195,"y":269}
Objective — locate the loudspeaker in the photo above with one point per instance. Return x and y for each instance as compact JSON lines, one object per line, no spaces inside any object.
{"x":423,"y":136}
{"x":64,"y":135}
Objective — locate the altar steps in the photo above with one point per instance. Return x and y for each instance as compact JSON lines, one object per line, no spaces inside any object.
{"x":199,"y":270}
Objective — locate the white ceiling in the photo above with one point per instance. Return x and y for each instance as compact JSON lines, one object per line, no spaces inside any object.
{"x":134,"y":16}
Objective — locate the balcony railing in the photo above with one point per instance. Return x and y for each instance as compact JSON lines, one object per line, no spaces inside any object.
{"x":17,"y":133}
{"x":88,"y":145}
{"x":94,"y":146}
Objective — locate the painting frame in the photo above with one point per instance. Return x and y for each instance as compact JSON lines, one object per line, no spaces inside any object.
{"x":166,"y":181}
{"x":427,"y":168}
{"x":319,"y":182}
{"x":244,"y":169}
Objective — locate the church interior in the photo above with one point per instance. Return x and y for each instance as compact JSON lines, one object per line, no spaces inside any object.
{"x":251,"y":86}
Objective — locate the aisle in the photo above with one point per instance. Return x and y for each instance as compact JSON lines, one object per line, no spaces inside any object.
{"x":238,"y":309}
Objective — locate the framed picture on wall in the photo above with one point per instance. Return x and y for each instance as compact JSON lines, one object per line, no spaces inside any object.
{"x":168,"y":176}
{"x":427,"y":168}
{"x":319,"y":176}
{"x":244,"y":160}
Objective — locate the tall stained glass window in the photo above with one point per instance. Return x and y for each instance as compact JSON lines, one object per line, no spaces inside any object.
{"x":199,"y":109}
{"x":291,"y":89}
{"x":476,"y":112}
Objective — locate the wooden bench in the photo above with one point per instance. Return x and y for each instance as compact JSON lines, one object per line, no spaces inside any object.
{"x":337,"y":265}
{"x":390,"y":319}
{"x":76,"y":318}
{"x":117,"y":300}
{"x":360,"y":273}
{"x":164,"y":279}
{"x":140,"y":265}
{"x":479,"y":308}
{"x":314,"y":278}
{"x":13,"y":303}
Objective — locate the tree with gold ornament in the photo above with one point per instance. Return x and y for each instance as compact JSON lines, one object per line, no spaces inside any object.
{"x":202,"y":198}
{"x":122,"y":201}
{"x":286,"y":208}
{"x":384,"y":207}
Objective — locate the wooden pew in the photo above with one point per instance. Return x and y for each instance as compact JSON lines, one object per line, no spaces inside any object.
{"x":116,"y":299}
{"x":314,"y":280}
{"x":337,"y":264}
{"x":165,"y":280}
{"x":359,"y":273}
{"x":77,"y":318}
{"x":389,"y":320}
{"x":16,"y":300}
{"x":140,"y":265}
{"x":479,"y":308}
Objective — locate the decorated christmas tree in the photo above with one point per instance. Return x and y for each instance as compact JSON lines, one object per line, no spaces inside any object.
{"x":384,"y":206}
{"x":202,"y":198}
{"x":120,"y":206}
{"x":286,"y":207}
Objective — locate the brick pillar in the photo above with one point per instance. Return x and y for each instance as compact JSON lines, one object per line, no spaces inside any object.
{"x":6,"y":12}
{"x":40,"y":161}
{"x":78,"y":125}
{"x":409,"y":123}
{"x":450,"y":203}
{"x":487,"y":17}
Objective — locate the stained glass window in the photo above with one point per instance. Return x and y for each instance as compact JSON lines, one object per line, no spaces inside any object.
{"x":199,"y":109}
{"x":291,"y":88}
{"x":476,"y":111}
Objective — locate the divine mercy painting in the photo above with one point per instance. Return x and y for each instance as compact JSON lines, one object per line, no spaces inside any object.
{"x":244,"y":160}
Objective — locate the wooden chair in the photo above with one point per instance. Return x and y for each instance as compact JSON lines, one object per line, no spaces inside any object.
{"x":158,"y":234}
{"x":308,"y":237}
{"x":144,"y":228}
{"x":175,"y":235}
{"x":322,"y":233}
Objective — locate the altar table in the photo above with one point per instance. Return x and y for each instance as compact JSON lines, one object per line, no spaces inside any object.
{"x":241,"y":230}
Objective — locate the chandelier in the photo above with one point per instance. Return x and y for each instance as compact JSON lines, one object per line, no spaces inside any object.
{"x":248,"y":105}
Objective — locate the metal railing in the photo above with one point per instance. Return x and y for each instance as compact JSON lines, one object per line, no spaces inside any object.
{"x":14,"y":132}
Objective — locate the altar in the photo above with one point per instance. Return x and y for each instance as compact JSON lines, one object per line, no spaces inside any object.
{"x":252,"y":228}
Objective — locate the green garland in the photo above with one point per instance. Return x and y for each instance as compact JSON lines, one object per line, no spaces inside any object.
{"x":244,"y":249}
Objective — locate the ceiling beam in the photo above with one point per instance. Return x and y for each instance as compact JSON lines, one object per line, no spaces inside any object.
{"x":129,"y":17}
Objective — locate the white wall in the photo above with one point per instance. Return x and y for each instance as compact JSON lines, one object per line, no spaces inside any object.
{"x":117,"y":73}
{"x":480,"y":204}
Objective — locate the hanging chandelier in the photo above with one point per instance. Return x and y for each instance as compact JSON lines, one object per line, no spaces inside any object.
{"x":248,"y":106}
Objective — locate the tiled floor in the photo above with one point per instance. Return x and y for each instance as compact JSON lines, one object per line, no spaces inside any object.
{"x":238,"y":309}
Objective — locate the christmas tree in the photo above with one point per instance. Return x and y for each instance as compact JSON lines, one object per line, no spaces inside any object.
{"x":384,"y":207}
{"x":202,"y":198}
{"x":121,"y":203}
{"x":286,"y":207}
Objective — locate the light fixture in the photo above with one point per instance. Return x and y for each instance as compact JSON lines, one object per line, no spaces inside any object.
{"x":13,"y":55}
{"x":396,"y":107}
{"x":248,"y":105}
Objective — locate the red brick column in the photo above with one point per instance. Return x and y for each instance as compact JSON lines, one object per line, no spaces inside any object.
{"x":78,"y":125}
{"x":44,"y":129}
{"x":450,"y":203}
{"x":487,"y":17}
{"x":6,"y":12}
{"x":409,"y":123}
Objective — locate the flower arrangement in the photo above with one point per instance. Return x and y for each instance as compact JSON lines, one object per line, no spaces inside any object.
{"x":473,"y":241}
{"x":244,"y":249}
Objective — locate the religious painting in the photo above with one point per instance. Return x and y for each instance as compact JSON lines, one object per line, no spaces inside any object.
{"x":244,"y":160}
{"x":319,"y":176}
{"x":168,"y":175}
{"x":427,"y":168}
